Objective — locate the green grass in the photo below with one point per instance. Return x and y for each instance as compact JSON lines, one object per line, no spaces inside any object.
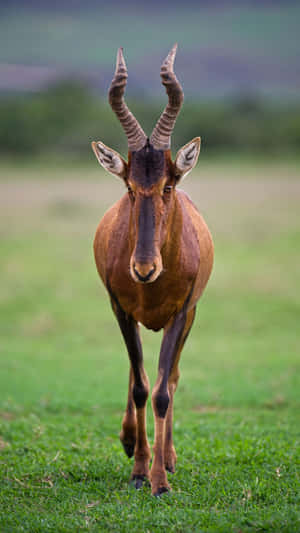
{"x":64,"y":370}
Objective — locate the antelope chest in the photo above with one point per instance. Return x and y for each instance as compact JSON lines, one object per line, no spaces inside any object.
{"x":151,"y":304}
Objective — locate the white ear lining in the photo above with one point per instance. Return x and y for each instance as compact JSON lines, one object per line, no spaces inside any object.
{"x":109,"y":159}
{"x":187,"y":157}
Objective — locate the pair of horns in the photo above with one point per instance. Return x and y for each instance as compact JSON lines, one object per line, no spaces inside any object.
{"x":161,"y":135}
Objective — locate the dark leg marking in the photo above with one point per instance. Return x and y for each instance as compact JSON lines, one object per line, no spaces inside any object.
{"x":131,"y":336}
{"x":135,"y":437}
{"x":169,"y":349}
{"x":169,"y":450}
{"x":161,"y":399}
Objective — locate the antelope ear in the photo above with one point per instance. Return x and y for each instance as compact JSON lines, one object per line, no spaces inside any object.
{"x":187,"y":158}
{"x":110,"y":160}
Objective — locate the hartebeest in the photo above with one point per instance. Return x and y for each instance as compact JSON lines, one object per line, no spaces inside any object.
{"x":154,"y":254}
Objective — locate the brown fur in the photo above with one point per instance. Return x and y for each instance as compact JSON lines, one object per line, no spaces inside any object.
{"x":183,"y":259}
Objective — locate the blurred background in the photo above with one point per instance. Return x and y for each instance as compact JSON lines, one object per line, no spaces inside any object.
{"x":63,"y":363}
{"x":238,"y":62}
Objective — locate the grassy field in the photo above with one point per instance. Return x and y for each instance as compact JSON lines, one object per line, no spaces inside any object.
{"x":64,"y":370}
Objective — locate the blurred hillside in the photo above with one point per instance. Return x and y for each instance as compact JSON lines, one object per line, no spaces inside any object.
{"x":67,"y":117}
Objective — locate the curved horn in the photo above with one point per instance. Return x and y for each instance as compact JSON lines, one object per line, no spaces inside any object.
{"x":135,"y":135}
{"x":161,"y":136}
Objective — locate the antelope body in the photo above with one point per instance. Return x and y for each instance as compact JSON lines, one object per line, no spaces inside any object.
{"x":154,"y":254}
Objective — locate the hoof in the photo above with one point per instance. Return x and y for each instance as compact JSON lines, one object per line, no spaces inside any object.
{"x":161,"y":491}
{"x":138,"y":481}
{"x":170,"y":469}
{"x":128,"y":448}
{"x":170,"y":460}
{"x":128,"y":442}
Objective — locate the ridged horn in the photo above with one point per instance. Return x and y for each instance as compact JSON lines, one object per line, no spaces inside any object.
{"x":161,"y":135}
{"x":135,"y":135}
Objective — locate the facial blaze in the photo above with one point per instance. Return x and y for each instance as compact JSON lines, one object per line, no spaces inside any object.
{"x":146,"y":262}
{"x":146,"y":230}
{"x":147,"y":176}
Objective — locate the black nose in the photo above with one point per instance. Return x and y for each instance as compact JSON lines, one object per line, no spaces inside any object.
{"x":144,"y":279}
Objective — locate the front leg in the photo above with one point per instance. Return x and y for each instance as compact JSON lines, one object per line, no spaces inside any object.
{"x":175,"y":334}
{"x":169,"y":450}
{"x":135,"y":415}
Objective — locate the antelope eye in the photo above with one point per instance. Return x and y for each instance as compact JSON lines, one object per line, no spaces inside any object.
{"x":130,"y":192}
{"x":168,"y":189}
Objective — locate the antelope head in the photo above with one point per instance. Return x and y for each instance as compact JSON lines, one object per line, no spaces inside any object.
{"x":150,"y":175}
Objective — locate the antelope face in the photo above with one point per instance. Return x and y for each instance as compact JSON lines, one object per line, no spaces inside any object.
{"x":150,"y":187}
{"x":150,"y":175}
